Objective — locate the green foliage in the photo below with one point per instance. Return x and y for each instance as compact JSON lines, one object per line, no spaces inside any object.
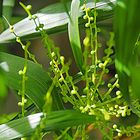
{"x":73,"y":30}
{"x":97,"y":98}
{"x":55,"y":20}
{"x":36,"y":85}
{"x":127,"y":36}
{"x":55,"y":120}
{"x":7,"y":10}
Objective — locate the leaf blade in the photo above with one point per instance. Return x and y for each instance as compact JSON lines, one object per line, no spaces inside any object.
{"x":37,"y":85}
{"x":73,"y":31}
{"x":55,"y":20}
{"x":55,"y":120}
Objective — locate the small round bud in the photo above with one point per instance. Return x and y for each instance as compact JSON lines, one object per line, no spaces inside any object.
{"x":86,"y":89}
{"x":111,"y":108}
{"x":116,"y":106}
{"x":23,"y":47}
{"x":118,"y":93}
{"x":92,"y":52}
{"x":114,"y":126}
{"x":73,"y":91}
{"x":20,"y":72}
{"x":37,"y":28}
{"x":81,"y":108}
{"x":18,"y":39}
{"x":53,"y":54}
{"x":87,"y":24}
{"x":29,"y":7}
{"x":109,"y":60}
{"x":51,"y":63}
{"x":123,"y":114}
{"x":101,"y":65}
{"x":85,"y":17}
{"x":25,"y":100}
{"x":117,"y":85}
{"x":19,"y":103}
{"x":19,"y":93}
{"x":88,"y":9}
{"x":119,"y":96}
{"x":119,"y":134}
{"x":106,"y":70}
{"x":91,"y":18}
{"x":109,"y":85}
{"x":86,"y":41}
{"x":11,"y":29}
{"x":41,"y":25}
{"x":116,"y":75}
{"x":62,"y":59}
{"x":61,"y":79}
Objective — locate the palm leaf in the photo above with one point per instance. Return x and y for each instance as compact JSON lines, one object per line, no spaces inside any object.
{"x":73,"y":30}
{"x":55,"y":20}
{"x":36,"y":86}
{"x":127,"y":25}
{"x":55,"y":120}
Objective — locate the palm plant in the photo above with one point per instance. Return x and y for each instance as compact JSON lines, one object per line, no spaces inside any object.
{"x":69,"y":106}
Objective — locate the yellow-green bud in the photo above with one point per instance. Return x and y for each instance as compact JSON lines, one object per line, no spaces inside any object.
{"x":19,"y":103}
{"x":101,"y":65}
{"x":114,"y":126}
{"x":18,"y":39}
{"x":85,"y":17}
{"x":20,"y":72}
{"x":62,"y":59}
{"x":119,"y":134}
{"x":87,"y":24}
{"x":25,"y":100}
{"x":11,"y":29}
{"x":86,"y":41}
{"x":118,"y":93}
{"x":73,"y":91}
{"x":29,"y":7}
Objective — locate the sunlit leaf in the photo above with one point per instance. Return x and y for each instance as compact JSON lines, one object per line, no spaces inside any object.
{"x":55,"y":120}
{"x":55,"y":20}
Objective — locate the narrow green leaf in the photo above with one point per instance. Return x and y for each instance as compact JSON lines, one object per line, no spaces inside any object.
{"x":127,"y":27}
{"x":7,"y":10}
{"x":55,"y":20}
{"x":55,"y":120}
{"x":73,"y":30}
{"x":3,"y":88}
{"x":127,"y":31}
{"x":38,"y":80}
